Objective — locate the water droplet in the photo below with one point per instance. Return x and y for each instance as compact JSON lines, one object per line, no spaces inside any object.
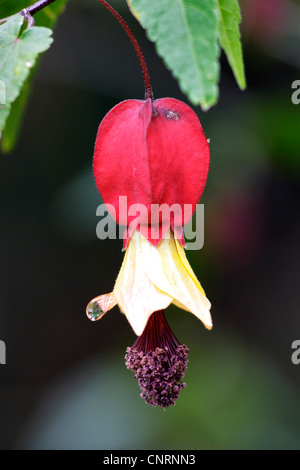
{"x":93,"y":311}
{"x":28,"y":64}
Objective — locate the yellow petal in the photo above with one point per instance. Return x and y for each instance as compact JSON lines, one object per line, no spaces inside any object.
{"x":170,"y":271}
{"x":100,"y":305}
{"x":135,"y":293}
{"x":187,"y":265}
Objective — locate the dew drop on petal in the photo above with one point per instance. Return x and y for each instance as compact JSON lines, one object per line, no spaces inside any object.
{"x":93,"y":311}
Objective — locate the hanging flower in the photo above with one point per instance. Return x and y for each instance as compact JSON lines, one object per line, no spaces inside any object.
{"x":155,"y":154}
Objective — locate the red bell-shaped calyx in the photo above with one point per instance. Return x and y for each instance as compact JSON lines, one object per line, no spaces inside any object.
{"x":151,"y":163}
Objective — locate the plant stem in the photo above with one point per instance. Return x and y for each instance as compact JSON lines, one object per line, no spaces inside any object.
{"x":38,"y":6}
{"x":31,"y":10}
{"x":147,"y":82}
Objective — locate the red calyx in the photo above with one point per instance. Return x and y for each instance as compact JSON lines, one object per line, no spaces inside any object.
{"x":153,"y":153}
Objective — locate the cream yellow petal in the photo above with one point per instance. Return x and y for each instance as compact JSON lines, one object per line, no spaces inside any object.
{"x":98,"y":306}
{"x":135,"y":293}
{"x":186,"y":264}
{"x":170,"y":271}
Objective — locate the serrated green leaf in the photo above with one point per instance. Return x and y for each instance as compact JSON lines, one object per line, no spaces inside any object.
{"x":230,"y":39}
{"x":18,"y":53}
{"x":185,"y":33}
{"x":46,"y":17}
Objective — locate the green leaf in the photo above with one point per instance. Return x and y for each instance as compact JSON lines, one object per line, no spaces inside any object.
{"x":18,"y":53}
{"x":46,"y":17}
{"x":185,"y":33}
{"x":230,"y":40}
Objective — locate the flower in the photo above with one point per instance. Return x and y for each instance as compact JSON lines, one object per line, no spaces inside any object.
{"x":155,"y":154}
{"x":150,"y":279}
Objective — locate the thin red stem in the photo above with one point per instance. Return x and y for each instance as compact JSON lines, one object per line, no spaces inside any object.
{"x":147,"y":82}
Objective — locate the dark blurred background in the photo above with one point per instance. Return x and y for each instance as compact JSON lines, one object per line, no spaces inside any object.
{"x":65,"y":385}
